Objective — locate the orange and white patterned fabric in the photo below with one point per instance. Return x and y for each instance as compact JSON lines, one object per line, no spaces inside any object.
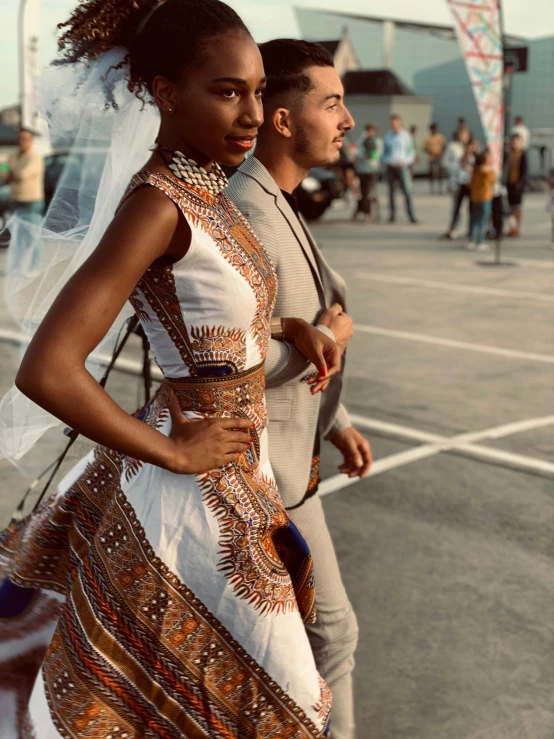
{"x":172,"y":606}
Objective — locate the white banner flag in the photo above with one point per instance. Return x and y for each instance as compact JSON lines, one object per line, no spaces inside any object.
{"x":478,"y":26}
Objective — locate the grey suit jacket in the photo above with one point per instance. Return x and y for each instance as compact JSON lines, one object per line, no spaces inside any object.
{"x":307,"y":285}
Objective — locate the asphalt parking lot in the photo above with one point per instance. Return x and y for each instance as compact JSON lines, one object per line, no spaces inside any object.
{"x":447,"y":549}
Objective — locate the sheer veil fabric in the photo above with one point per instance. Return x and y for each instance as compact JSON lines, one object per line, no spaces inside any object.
{"x":108,"y":132}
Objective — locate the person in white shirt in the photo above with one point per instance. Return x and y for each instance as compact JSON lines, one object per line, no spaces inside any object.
{"x":457,"y":163}
{"x":25,"y":176}
{"x":521,"y":130}
{"x":26,"y":179}
{"x":398,"y":156}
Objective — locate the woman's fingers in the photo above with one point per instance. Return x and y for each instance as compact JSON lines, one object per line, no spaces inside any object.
{"x":235,"y":423}
{"x":177,"y":415}
{"x":237,"y":447}
{"x":240,"y":437}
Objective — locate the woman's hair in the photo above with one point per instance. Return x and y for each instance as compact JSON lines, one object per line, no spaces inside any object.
{"x":161,"y":38}
{"x":481,"y":158}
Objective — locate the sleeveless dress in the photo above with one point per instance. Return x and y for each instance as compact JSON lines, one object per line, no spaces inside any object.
{"x":166,"y":606}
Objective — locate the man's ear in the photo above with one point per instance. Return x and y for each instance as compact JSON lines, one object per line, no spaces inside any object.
{"x":282,"y":122}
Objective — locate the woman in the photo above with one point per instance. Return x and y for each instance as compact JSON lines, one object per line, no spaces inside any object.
{"x":166,"y":578}
{"x":459,"y":161}
{"x":515,"y":176}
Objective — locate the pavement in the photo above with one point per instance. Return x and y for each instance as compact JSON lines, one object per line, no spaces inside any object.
{"x":447,"y":549}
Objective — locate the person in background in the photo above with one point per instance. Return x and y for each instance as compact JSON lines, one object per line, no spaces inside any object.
{"x":457,"y":166}
{"x":434,"y":146}
{"x":521,"y":130}
{"x":25,"y":175}
{"x":398,"y":157}
{"x":515,"y":175}
{"x":481,"y":187}
{"x":368,"y":166}
{"x":413,"y":134}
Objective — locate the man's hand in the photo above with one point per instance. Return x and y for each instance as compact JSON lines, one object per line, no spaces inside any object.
{"x":340,"y":323}
{"x":356,"y":451}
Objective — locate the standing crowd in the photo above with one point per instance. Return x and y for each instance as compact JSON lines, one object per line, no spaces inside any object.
{"x":460,"y":162}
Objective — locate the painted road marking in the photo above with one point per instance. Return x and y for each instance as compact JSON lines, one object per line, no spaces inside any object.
{"x":456,"y":287}
{"x":433,"y":444}
{"x":466,"y":346}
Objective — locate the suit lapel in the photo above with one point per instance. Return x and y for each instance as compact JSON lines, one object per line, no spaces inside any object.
{"x":256,"y":170}
{"x":300,"y":234}
{"x":334,"y":287}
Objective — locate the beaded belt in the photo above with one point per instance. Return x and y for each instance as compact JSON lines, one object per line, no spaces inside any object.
{"x":222,"y":394}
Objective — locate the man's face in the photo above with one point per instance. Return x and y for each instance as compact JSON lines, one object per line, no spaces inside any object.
{"x":319,"y":120}
{"x":25,"y":141}
{"x":396,"y":125}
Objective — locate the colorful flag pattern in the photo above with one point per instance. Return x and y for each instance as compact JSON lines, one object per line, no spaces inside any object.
{"x":478,"y":26}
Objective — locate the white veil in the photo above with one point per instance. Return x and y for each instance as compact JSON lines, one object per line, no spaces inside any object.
{"x":108,"y":132}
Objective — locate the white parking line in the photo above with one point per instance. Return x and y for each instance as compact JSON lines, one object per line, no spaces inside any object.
{"x":462,"y":444}
{"x":455,"y":287}
{"x":543,"y":263}
{"x":432,"y":444}
{"x":466,"y":346}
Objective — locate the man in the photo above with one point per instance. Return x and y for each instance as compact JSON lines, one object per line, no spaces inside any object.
{"x":368,"y":165}
{"x":305,"y":124}
{"x":398,"y":157}
{"x":25,"y":175}
{"x":515,"y":176}
{"x":434,"y":146}
{"x":521,"y":130}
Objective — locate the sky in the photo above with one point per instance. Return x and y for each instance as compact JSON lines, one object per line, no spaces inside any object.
{"x":266,"y":19}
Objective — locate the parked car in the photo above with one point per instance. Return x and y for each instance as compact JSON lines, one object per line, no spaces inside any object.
{"x":317,"y":191}
{"x":53,"y":168}
{"x":5,"y":205}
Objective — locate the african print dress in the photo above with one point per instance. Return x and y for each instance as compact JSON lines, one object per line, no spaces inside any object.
{"x":166,"y":606}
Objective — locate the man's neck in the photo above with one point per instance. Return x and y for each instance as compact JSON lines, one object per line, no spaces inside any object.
{"x":284,"y":170}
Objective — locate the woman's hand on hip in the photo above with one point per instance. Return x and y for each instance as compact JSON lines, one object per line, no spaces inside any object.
{"x":200,"y":445}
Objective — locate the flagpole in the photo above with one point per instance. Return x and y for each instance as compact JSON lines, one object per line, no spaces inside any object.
{"x":22,"y":62}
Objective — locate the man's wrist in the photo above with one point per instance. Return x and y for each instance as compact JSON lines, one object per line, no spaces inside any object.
{"x":290,"y":328}
{"x":277,"y":330}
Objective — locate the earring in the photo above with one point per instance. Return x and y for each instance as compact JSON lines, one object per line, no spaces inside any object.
{"x":170,"y":110}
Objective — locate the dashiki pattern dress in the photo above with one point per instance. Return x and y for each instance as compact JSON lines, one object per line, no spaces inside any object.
{"x":166,"y":606}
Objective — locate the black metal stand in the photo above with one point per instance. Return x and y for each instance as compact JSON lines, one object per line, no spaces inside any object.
{"x":133,"y":326}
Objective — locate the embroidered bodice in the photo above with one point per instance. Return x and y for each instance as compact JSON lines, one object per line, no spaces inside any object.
{"x":209,"y":313}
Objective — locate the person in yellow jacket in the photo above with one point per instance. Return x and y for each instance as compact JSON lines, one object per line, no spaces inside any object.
{"x":481,"y":189}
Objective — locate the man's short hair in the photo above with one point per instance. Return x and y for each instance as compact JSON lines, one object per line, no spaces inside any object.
{"x":370,"y":124}
{"x":26,"y":130}
{"x":395,"y":117}
{"x":285,"y":63}
{"x":517,"y":136}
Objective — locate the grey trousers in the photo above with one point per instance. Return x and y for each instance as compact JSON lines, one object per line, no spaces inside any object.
{"x":335,"y":634}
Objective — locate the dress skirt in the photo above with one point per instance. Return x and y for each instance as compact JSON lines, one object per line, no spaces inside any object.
{"x":141,"y":603}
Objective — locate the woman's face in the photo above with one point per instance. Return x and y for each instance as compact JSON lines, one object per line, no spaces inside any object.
{"x":217,"y":110}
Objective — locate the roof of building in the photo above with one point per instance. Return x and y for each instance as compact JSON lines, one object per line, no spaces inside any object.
{"x":445,"y":32}
{"x":330,"y":46}
{"x":374,"y":82}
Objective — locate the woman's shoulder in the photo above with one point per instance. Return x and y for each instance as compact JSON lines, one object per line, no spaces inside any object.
{"x":148,"y":190}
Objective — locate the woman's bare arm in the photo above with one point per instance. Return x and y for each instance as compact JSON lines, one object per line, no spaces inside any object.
{"x":53,"y":373}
